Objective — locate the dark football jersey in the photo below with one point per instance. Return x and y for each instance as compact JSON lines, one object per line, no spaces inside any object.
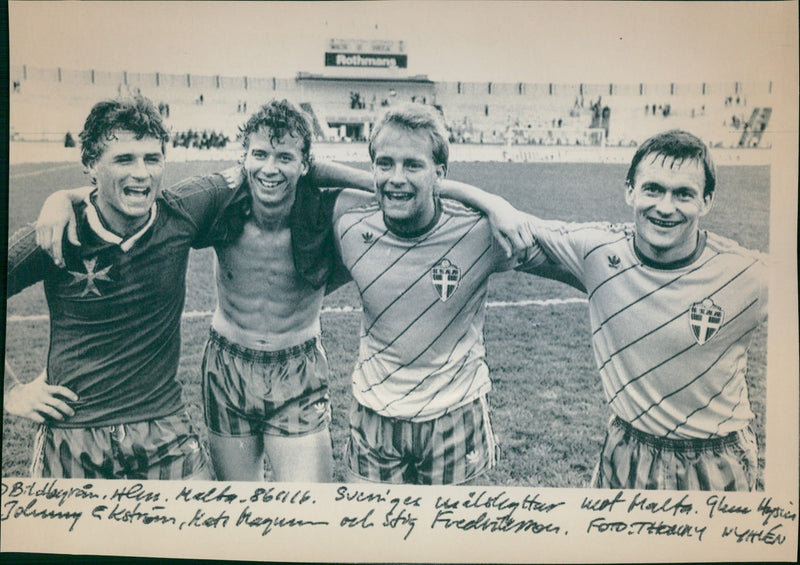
{"x":115,"y":308}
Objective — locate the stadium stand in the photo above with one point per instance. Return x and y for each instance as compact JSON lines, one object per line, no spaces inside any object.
{"x":47,"y":103}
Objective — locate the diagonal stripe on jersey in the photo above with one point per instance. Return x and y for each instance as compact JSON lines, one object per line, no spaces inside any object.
{"x":698,"y":377}
{"x":693,"y":344}
{"x":593,"y":249}
{"x":739,"y":402}
{"x":437,"y":393}
{"x":410,"y":325}
{"x":370,"y":246}
{"x":393,"y":263}
{"x":706,"y":405}
{"x":681,"y":314}
{"x":612,"y":277}
{"x":422,"y":276}
{"x":360,"y":220}
{"x":652,"y":292}
{"x":425,"y":379}
{"x":421,"y":353}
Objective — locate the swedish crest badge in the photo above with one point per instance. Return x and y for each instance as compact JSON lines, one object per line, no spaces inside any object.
{"x":446,"y":277}
{"x":705,"y":320}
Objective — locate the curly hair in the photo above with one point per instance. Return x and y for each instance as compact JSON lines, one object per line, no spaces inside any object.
{"x":416,"y":117}
{"x":282,"y":118}
{"x":137,"y":115}
{"x":679,"y":146}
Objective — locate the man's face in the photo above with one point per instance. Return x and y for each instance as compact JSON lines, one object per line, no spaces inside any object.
{"x":273,"y":167}
{"x":668,"y":202}
{"x":405,"y":178}
{"x":128,"y":176}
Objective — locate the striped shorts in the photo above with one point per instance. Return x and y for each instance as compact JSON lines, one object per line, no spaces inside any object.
{"x":162,"y":449}
{"x":248,"y":392}
{"x":451,"y":449}
{"x":637,"y":460}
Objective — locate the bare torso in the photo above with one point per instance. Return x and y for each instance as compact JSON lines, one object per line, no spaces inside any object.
{"x":263,"y":303}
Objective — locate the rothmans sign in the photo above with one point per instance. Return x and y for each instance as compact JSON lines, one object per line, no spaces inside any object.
{"x":374,"y":53}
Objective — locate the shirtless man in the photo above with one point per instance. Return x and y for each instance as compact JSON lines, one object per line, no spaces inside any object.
{"x":265,"y":375}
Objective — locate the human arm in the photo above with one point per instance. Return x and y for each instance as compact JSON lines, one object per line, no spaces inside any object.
{"x":510,"y":226}
{"x":336,"y":175}
{"x":558,"y":251}
{"x":56,"y":214}
{"x":37,"y":400}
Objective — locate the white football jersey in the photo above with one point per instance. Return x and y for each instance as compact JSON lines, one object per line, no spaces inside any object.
{"x":422,"y":350}
{"x":670,"y":341}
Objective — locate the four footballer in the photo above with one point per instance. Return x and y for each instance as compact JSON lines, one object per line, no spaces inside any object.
{"x":673,"y":378}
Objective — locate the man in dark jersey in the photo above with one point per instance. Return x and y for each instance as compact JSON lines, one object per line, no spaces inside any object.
{"x":109,"y":404}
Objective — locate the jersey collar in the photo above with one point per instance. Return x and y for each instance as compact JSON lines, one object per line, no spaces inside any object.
{"x":701,"y":245}
{"x":96,"y":223}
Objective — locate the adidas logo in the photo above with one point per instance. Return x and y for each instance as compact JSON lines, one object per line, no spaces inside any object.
{"x":613,"y":261}
{"x":368,"y":237}
{"x":473,"y":458}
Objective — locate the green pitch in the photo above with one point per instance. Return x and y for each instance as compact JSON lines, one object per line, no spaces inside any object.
{"x":547,"y":404}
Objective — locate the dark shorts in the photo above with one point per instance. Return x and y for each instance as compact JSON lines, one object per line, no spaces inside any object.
{"x":248,"y":392}
{"x":451,"y":449}
{"x":632,"y":459}
{"x":162,"y":449}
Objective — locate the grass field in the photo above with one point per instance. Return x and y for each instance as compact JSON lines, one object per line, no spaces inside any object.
{"x":547,"y":404}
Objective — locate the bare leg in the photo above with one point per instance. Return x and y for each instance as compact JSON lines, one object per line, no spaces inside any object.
{"x":237,"y":458}
{"x":306,"y":458}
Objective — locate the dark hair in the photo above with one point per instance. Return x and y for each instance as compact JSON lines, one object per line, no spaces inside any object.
{"x":416,"y":117}
{"x":679,"y":146}
{"x":137,"y":115}
{"x":282,"y":118}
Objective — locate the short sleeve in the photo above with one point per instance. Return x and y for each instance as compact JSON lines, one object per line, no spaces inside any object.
{"x":27,"y":262}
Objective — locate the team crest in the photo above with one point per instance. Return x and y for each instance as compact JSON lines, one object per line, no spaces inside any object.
{"x":90,"y":277}
{"x":446,"y":277}
{"x":705,"y":319}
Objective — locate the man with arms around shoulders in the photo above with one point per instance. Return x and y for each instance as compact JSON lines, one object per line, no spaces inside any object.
{"x":108,"y":404}
{"x":265,"y":375}
{"x":421,"y":264}
{"x":673,"y":309}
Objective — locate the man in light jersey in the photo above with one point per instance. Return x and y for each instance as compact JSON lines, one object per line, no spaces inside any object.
{"x":421,"y":265}
{"x":673,"y":309}
{"x":265,"y":375}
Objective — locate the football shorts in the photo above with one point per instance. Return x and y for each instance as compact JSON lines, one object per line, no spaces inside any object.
{"x":454,"y":448}
{"x":161,"y":449}
{"x":247,"y":392}
{"x":632,"y":459}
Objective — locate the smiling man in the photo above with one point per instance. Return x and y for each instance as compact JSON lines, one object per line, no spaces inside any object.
{"x":421,"y":264}
{"x":673,"y":309}
{"x":108,"y":403}
{"x":265,"y":374}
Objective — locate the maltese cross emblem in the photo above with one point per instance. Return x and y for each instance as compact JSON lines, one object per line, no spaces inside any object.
{"x":90,"y":276}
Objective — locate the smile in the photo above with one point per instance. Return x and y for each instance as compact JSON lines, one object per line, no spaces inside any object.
{"x":664,"y":223}
{"x":401,"y":196}
{"x":136,"y":190}
{"x":270,"y":183}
